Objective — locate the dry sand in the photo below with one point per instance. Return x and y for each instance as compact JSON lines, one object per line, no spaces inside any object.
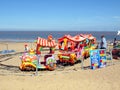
{"x":63,"y":78}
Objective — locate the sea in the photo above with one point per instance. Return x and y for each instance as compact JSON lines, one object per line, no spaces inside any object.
{"x":31,"y":36}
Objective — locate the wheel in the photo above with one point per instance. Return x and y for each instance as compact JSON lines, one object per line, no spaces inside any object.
{"x":50,"y":63}
{"x":28,"y":67}
{"x":73,"y":58}
{"x":51,"y":67}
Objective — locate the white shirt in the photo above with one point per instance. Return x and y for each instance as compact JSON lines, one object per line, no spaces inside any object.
{"x":104,"y":42}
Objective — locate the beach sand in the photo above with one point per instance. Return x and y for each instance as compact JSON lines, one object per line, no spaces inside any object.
{"x":63,"y":78}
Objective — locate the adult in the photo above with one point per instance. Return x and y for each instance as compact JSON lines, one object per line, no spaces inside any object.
{"x":114,"y":43}
{"x":103,"y":44}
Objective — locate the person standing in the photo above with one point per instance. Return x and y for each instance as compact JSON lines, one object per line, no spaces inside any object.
{"x":103,"y":44}
{"x":26,"y":48}
{"x":114,"y":43}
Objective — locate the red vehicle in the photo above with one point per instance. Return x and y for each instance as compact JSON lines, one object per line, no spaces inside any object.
{"x":70,"y":48}
{"x":89,"y":44}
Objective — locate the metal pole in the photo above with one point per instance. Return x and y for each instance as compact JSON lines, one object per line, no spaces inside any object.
{"x":38,"y":58}
{"x":111,"y":56}
{"x":82,"y":63}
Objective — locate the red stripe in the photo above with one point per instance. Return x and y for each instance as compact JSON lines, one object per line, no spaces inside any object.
{"x":41,"y":41}
{"x":46,"y":43}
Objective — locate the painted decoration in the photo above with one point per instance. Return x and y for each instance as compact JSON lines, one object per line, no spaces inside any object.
{"x":94,"y":58}
{"x":102,"y":61}
{"x":98,"y":58}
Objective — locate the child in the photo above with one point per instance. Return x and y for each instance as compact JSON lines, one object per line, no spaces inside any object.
{"x":26,"y":48}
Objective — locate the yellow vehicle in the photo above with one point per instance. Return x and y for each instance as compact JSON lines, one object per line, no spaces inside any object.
{"x":32,"y":59}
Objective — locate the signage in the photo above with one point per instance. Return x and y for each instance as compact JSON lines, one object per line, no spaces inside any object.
{"x":98,"y":58}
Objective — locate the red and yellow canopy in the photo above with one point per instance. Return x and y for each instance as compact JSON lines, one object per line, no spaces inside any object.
{"x":76,"y":38}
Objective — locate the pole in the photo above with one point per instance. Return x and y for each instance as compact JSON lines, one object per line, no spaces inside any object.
{"x":111,"y":56}
{"x":37,"y":64}
{"x":82,"y":63}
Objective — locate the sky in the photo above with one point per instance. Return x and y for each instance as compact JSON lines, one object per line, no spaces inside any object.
{"x":70,"y":15}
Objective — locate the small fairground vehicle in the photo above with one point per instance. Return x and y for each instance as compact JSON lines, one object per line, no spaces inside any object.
{"x":88,"y":43}
{"x":116,"y":51}
{"x":33,"y":59}
{"x":70,"y":48}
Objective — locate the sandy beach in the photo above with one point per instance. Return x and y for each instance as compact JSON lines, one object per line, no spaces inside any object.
{"x":63,"y":78}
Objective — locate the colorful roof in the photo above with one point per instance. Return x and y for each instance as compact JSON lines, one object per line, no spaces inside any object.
{"x":89,"y":36}
{"x":46,"y":43}
{"x":76,"y":38}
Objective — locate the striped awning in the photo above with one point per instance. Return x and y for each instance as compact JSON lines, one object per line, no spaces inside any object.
{"x":46,"y":43}
{"x":76,"y":38}
{"x":89,"y":36}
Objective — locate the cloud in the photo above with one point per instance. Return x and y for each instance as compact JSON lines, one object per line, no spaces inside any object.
{"x":116,"y":17}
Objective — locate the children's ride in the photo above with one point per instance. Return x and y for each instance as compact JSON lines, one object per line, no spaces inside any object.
{"x":28,"y":60}
{"x":49,"y":59}
{"x":32,"y":59}
{"x":88,"y":43}
{"x":70,"y":48}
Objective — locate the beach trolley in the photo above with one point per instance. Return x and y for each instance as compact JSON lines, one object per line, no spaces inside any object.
{"x":70,"y":48}
{"x":88,"y":43}
{"x":32,"y":59}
